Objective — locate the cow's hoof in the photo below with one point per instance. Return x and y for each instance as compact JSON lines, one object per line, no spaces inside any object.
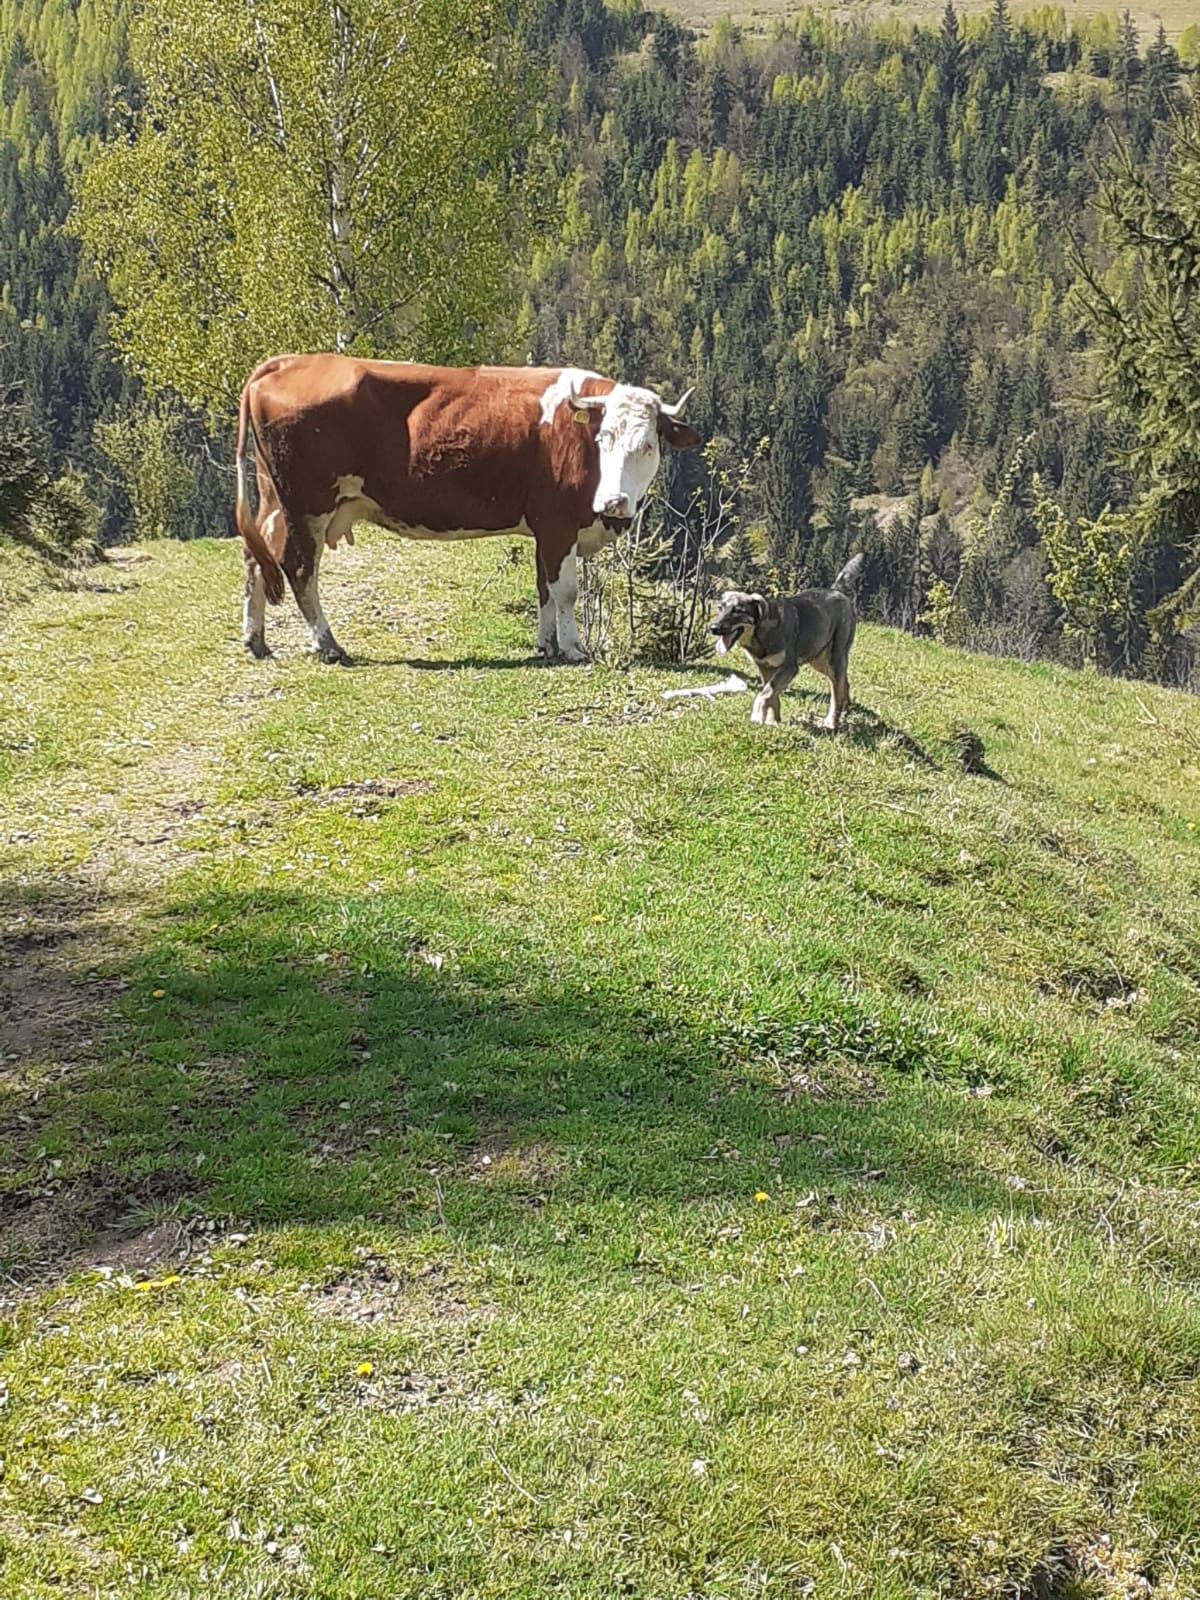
{"x":332,"y":655}
{"x":258,"y":648}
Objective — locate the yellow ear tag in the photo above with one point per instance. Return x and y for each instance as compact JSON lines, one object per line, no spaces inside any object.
{"x":581,"y":416}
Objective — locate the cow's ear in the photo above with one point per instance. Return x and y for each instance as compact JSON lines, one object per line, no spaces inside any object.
{"x":677,"y":434}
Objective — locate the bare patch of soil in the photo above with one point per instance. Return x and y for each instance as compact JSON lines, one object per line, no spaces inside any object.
{"x":55,"y":1229}
{"x":412,"y":1390}
{"x":1098,"y":1568}
{"x":54,"y":991}
{"x":1106,"y":987}
{"x":375,"y":1293}
{"x":834,"y":1078}
{"x":526,"y":1173}
{"x":138,"y":1253}
{"x":366,"y":791}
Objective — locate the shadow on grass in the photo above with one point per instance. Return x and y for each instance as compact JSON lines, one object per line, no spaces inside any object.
{"x":458,"y":663}
{"x":805,"y":705}
{"x":867,"y":727}
{"x":282,"y":1056}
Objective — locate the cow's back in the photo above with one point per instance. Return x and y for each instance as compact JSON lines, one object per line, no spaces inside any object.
{"x":434,"y":450}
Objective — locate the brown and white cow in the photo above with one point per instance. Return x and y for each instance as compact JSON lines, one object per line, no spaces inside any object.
{"x":440,"y":453}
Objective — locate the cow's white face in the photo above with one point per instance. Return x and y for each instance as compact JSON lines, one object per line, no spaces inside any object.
{"x":629,"y":452}
{"x":633,"y":423}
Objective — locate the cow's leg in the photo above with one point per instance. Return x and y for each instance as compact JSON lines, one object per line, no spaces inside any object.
{"x":563,"y":591}
{"x":303,"y":580}
{"x":254,"y":610}
{"x":547,"y":613}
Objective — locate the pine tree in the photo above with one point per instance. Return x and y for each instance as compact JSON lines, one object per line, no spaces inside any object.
{"x":949,"y":58}
{"x":1150,"y":335}
{"x":837,"y":506}
{"x":1128,"y":62}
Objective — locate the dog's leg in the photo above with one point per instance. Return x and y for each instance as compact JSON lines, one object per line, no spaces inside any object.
{"x":839,"y":693}
{"x":831,"y":664}
{"x":766,"y":705}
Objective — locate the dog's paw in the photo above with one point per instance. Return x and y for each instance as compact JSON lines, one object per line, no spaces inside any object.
{"x":766,"y":710}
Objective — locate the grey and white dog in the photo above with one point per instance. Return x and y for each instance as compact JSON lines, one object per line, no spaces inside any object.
{"x":813,"y":628}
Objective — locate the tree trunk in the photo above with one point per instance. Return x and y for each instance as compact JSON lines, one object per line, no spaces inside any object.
{"x":340,"y":216}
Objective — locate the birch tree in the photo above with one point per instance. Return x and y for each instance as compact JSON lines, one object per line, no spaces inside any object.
{"x":308,"y":174}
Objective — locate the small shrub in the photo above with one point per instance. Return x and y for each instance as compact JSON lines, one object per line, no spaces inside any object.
{"x":648,"y":597}
{"x":54,"y":518}
{"x":64,"y":520}
{"x":968,"y":750}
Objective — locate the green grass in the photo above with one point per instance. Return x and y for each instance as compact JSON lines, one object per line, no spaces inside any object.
{"x":473,"y":1130}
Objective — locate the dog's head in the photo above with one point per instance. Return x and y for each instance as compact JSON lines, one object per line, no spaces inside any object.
{"x":737,"y":618}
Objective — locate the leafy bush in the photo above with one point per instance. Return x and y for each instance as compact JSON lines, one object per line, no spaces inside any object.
{"x":55,"y":517}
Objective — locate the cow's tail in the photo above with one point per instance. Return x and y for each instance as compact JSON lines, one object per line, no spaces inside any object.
{"x":258,"y":547}
{"x":847,"y":579}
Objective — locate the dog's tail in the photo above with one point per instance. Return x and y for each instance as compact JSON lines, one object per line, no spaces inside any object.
{"x":847,"y":579}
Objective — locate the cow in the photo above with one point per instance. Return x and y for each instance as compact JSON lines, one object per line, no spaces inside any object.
{"x":440,"y":453}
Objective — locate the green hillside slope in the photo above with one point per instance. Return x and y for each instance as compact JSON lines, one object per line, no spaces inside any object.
{"x":469,"y":1129}
{"x":1174,"y":15}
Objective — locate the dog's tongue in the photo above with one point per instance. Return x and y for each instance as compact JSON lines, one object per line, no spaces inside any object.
{"x":724,"y":644}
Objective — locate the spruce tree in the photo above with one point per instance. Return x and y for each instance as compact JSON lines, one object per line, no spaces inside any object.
{"x":1149,"y":332}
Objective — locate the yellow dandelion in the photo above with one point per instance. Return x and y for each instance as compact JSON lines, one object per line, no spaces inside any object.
{"x":761,"y":1198}
{"x":365,"y":1369}
{"x":160,"y":994}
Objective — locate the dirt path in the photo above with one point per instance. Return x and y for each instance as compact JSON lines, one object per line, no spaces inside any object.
{"x":91,"y":838}
{"x":130,"y":723}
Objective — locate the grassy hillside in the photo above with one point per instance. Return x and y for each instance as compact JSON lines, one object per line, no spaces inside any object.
{"x":477,"y":1130}
{"x":1175,"y":15}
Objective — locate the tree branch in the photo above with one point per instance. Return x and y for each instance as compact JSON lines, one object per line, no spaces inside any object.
{"x":272,"y":85}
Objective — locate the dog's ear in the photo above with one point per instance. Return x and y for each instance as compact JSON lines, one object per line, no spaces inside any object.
{"x":757,"y":604}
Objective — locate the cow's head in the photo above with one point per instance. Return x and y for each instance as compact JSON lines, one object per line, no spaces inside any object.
{"x":634,"y":424}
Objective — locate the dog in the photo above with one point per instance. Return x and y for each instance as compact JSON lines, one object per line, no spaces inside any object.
{"x":813,"y":628}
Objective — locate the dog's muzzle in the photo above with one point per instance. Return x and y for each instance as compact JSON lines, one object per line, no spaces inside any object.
{"x":727,"y":633}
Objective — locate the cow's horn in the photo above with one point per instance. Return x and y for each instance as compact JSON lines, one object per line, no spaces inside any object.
{"x":677,"y":409}
{"x":586,"y":402}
